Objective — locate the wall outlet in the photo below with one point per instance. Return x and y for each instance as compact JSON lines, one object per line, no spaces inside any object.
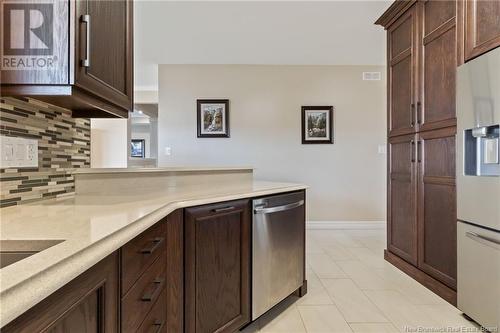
{"x":168,"y":151}
{"x":18,"y":152}
{"x":382,"y":149}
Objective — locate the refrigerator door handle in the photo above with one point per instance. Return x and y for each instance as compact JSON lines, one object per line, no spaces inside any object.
{"x":482,"y":239}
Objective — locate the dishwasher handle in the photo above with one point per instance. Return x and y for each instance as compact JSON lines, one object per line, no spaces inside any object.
{"x":263,"y":210}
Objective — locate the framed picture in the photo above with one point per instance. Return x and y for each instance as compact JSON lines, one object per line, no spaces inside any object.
{"x":213,"y":118}
{"x":137,"y":148}
{"x":317,"y":124}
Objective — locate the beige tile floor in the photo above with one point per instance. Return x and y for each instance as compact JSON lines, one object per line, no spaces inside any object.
{"x":352,"y":289}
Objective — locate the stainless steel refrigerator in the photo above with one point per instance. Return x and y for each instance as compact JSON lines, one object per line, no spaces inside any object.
{"x":478,"y":189}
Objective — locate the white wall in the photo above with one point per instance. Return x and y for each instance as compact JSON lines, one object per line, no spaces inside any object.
{"x":346,"y":179}
{"x":108,"y":143}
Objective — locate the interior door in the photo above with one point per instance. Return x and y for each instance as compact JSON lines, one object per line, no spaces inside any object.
{"x":104,"y":54}
{"x":402,"y":214}
{"x":437,"y":211}
{"x":438,"y":64}
{"x":482,"y":27}
{"x":401,"y":50}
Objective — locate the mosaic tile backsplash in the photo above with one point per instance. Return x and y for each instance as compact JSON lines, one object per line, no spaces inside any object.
{"x":63,"y":146}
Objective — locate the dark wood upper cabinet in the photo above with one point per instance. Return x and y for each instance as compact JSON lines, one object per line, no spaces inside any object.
{"x":481,"y":26}
{"x":402,"y":196}
{"x":437,"y":65}
{"x":88,"y":304}
{"x":437,"y":218}
{"x":401,"y":50}
{"x":85,"y":61}
{"x":217,"y":267}
{"x":108,"y":70}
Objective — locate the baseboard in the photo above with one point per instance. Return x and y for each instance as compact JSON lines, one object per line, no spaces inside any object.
{"x":345,"y":225}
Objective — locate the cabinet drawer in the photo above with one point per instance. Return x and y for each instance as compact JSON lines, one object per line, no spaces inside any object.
{"x":139,"y":254}
{"x":143,"y":295}
{"x":156,"y":320}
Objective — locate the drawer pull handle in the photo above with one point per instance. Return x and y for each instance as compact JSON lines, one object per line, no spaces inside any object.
{"x":156,"y":243}
{"x":159,"y":326}
{"x":223,"y":209}
{"x":154,"y":292}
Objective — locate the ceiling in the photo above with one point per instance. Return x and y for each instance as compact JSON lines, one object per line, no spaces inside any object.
{"x":255,"y":32}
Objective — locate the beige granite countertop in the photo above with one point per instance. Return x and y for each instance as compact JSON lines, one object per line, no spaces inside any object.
{"x":165,"y":169}
{"x":91,"y":228}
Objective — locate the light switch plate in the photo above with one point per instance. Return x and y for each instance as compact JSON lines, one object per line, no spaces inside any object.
{"x":18,"y":152}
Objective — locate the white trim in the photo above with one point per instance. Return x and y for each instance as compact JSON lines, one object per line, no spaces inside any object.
{"x":345,"y":224}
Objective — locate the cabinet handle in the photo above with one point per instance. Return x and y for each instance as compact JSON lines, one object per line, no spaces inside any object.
{"x":223,"y":209}
{"x":159,"y":325}
{"x":412,"y":151}
{"x":412,"y":114}
{"x":86,"y":20}
{"x":155,"y":244}
{"x":419,"y":151}
{"x":419,"y":111}
{"x":154,"y":292}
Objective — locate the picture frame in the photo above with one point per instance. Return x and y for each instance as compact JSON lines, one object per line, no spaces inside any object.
{"x":138,"y":148}
{"x":317,"y":124}
{"x":212,"y":116}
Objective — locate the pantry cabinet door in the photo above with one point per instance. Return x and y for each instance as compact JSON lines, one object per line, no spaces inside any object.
{"x":437,"y":209}
{"x":401,"y":49}
{"x":402,"y":213}
{"x":437,"y":65}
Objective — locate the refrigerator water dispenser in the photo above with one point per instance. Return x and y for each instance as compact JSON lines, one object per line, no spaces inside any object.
{"x":482,"y":151}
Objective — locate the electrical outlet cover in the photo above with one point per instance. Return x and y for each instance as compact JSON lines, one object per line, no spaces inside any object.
{"x":18,"y":152}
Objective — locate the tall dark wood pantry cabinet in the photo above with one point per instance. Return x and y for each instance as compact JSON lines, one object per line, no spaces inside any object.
{"x":423,"y":54}
{"x":426,"y":41}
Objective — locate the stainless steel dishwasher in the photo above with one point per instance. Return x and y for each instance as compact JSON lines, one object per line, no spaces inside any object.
{"x":278,"y":249}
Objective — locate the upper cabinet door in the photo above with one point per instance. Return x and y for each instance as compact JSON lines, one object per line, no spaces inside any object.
{"x":103,"y":64}
{"x":437,"y":65}
{"x":482,"y":27}
{"x":401,"y":50}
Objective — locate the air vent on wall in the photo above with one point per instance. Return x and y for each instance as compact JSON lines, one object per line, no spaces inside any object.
{"x":371,"y":76}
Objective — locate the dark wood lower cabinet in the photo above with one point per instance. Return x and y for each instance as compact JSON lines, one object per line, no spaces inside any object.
{"x":190,"y":272}
{"x":87,"y":304}
{"x":217,"y":267}
{"x":175,"y":271}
